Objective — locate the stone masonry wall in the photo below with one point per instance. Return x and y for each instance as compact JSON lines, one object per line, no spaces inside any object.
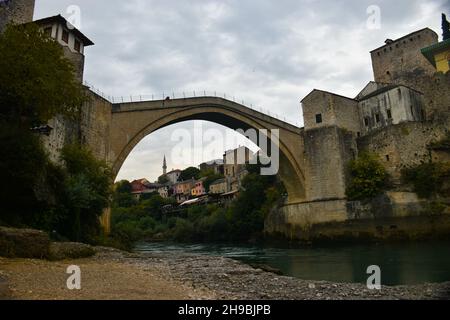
{"x":436,"y":90}
{"x":95,"y":125}
{"x":16,"y":11}
{"x":92,"y":129}
{"x":335,"y":110}
{"x":403,"y":145}
{"x":327,"y":152}
{"x":392,"y":60}
{"x":77,"y":61}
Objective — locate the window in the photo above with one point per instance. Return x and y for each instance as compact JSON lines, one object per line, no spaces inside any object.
{"x":366,"y":121}
{"x":377,"y":117}
{"x":319,"y":118}
{"x":358,"y":134}
{"x":48,"y":31}
{"x":389,"y":114}
{"x":77,"y":46}
{"x":412,"y":111}
{"x":387,"y":158}
{"x":65,"y":36}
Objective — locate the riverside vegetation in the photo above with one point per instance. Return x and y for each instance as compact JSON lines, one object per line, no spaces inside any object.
{"x":64,"y":199}
{"x":241,"y":220}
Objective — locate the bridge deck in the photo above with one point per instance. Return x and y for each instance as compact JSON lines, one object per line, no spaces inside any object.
{"x":200,"y":102}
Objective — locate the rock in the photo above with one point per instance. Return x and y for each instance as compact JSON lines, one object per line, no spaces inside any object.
{"x":23,"y":243}
{"x":70,"y":250}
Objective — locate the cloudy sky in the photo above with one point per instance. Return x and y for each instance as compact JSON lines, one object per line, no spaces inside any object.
{"x":268,"y":53}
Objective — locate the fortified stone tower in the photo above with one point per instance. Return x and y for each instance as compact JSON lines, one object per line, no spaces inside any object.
{"x":15,"y":11}
{"x":402,"y":58}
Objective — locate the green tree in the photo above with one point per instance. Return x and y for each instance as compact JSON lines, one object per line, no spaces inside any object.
{"x":23,"y":166}
{"x":368,"y":177}
{"x":189,"y":173}
{"x":163,"y":179}
{"x":210,"y":176}
{"x":36,"y":81}
{"x":122,"y":195}
{"x":88,"y":191}
{"x":428,"y":179}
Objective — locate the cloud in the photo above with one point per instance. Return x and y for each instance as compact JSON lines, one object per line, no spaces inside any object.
{"x":267,"y":53}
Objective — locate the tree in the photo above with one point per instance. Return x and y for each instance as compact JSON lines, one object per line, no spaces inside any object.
{"x":211,"y":176}
{"x":88,"y":190}
{"x":189,"y":173}
{"x":23,"y":164}
{"x":36,"y":81}
{"x":122,"y":195}
{"x":368,"y":177}
{"x":163,"y":179}
{"x":428,"y":179}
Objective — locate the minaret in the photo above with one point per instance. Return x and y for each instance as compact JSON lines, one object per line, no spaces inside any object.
{"x":164,"y":165}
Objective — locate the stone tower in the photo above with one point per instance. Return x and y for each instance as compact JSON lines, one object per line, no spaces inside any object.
{"x":164,"y":166}
{"x":401,"y":58}
{"x":15,"y":11}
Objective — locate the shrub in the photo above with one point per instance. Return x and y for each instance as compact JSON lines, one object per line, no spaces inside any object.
{"x":368,"y":177}
{"x":427,"y":179}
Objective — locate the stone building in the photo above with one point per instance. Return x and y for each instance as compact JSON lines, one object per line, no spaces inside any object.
{"x":173,"y":176}
{"x":182,"y":190}
{"x":218,"y":187}
{"x":72,"y":40}
{"x":402,"y":55}
{"x":198,"y":189}
{"x":388,"y":105}
{"x":216,"y":166}
{"x":16,"y":12}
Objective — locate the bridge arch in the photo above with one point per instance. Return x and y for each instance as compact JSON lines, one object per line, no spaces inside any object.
{"x":132,"y":122}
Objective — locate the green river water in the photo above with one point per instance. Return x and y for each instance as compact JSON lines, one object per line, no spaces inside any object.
{"x":400,"y":263}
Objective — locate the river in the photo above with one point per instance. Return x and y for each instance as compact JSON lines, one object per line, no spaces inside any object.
{"x":400,"y":263}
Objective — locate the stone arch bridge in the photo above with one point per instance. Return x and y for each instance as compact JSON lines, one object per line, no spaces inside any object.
{"x":133,"y":121}
{"x":113,"y":130}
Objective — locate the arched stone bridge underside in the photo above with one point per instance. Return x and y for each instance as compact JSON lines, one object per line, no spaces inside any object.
{"x":131,"y":122}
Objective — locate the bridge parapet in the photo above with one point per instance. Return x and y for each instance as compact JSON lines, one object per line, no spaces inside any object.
{"x":202,"y":102}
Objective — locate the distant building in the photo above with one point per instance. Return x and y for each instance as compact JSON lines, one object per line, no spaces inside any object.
{"x":218,"y":187}
{"x":165,"y":191}
{"x":214,"y":165}
{"x":173,"y":176}
{"x":164,"y":165}
{"x":143,"y":186}
{"x":235,"y":167}
{"x":182,"y":190}
{"x":198,"y":189}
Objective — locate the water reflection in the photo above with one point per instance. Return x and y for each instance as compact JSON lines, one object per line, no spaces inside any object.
{"x":412,"y":263}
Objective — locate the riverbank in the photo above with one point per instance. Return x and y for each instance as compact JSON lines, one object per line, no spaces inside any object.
{"x":113,"y":274}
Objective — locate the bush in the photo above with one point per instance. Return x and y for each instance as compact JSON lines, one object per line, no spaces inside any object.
{"x":428,"y":179}
{"x":183,"y":230}
{"x":368,"y":177}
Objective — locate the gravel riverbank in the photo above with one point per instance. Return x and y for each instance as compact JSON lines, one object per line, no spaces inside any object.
{"x":112,"y":274}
